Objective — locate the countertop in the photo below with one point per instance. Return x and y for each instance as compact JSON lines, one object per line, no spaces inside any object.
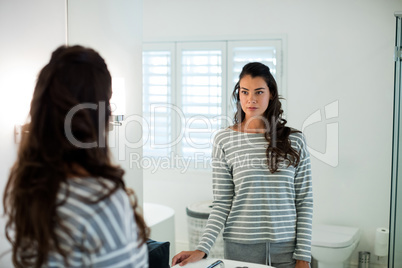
{"x":204,"y":263}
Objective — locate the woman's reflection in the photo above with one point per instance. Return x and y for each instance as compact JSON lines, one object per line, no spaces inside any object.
{"x":262,"y":182}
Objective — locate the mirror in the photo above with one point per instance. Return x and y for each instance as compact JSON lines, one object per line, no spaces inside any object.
{"x":338,"y":79}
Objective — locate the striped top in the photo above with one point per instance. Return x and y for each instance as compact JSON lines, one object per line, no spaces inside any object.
{"x":253,"y":205}
{"x":104,"y":234}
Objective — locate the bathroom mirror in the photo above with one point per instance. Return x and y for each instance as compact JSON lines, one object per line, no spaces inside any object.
{"x":337,"y":76}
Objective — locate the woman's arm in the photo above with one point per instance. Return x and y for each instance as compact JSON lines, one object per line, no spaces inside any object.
{"x":223,"y":195}
{"x":304,"y":203}
{"x":223,"y":191}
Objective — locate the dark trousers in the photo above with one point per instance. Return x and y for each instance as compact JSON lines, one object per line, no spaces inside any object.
{"x":278,"y":255}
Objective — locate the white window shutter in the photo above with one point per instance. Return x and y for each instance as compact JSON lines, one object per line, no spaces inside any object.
{"x":200,"y":78}
{"x":157,"y":94}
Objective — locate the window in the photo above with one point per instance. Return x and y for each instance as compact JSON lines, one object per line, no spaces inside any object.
{"x":187,"y":89}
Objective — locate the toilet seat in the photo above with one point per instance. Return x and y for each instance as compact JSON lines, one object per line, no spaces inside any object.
{"x":332,"y":236}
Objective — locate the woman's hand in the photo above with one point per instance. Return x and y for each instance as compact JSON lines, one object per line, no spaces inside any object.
{"x":185,"y":257}
{"x":302,"y":264}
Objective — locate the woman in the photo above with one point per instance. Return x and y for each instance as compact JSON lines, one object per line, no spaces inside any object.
{"x":261,"y":182}
{"x":66,"y":203}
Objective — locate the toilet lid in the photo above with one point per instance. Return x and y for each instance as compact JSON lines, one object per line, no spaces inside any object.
{"x":334,"y":236}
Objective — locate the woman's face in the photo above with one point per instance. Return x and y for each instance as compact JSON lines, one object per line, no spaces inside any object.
{"x":254,"y":96}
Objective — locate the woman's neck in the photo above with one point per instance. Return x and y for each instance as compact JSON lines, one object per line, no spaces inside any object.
{"x":252,"y":126}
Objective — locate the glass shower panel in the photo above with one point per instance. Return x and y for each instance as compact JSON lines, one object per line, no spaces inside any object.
{"x":395,"y":245}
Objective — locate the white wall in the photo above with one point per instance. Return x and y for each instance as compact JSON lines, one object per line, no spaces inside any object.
{"x":114,"y":29}
{"x":337,"y":51}
{"x":29,"y":32}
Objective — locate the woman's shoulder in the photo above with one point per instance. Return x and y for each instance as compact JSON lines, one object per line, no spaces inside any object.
{"x":295,"y":134}
{"x":94,"y":190}
{"x":89,"y":201}
{"x":223,"y":132}
{"x":297,"y":137}
{"x":90,"y":184}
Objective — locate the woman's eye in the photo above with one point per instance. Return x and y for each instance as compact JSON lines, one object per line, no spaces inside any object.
{"x":244,"y":92}
{"x":259,"y":92}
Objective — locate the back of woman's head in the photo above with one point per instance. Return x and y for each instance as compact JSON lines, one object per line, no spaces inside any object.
{"x":69,"y":110}
{"x":70,"y":106}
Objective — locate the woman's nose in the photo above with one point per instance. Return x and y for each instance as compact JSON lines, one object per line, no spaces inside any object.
{"x":251,"y":99}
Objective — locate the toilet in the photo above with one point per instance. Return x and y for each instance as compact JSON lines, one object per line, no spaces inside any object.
{"x":332,"y":245}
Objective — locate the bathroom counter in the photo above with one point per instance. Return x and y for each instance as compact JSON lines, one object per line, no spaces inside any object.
{"x":228,"y":264}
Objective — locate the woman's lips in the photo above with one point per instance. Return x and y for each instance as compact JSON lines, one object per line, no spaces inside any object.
{"x":252,"y":108}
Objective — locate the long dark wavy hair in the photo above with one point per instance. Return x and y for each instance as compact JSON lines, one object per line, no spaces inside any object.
{"x":46,"y":157}
{"x":277,"y":133}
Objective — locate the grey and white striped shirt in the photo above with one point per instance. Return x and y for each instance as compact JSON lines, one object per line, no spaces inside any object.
{"x":104,"y":234}
{"x":253,"y":205}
